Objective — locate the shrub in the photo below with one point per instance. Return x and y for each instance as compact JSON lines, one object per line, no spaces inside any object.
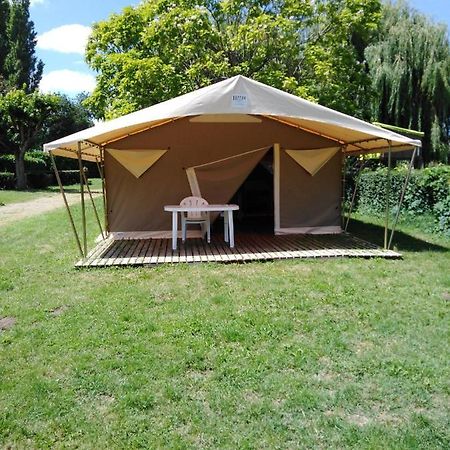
{"x":6,"y":180}
{"x":39,"y":180}
{"x":7,"y":164}
{"x":428,"y":192}
{"x":442,"y":214}
{"x":35,"y":161}
{"x":70,"y":176}
{"x":39,"y":170}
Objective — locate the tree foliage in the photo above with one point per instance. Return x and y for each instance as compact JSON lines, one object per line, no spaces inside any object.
{"x":160,"y":49}
{"x":21,"y":67}
{"x":4,"y":41}
{"x":23,"y":118}
{"x":27,"y":120}
{"x":410,"y":71}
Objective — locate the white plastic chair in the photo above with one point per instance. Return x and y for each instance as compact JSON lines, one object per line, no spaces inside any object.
{"x":195,"y":217}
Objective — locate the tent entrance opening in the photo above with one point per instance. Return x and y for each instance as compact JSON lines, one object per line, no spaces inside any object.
{"x":255,"y":198}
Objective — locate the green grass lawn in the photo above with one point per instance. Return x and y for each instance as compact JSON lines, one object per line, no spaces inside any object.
{"x":331,"y":353}
{"x":11,"y":196}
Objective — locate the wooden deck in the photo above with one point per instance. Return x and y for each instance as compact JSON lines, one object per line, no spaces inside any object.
{"x":249,"y":247}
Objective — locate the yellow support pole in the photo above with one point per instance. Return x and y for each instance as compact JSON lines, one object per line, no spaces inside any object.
{"x":83,"y":207}
{"x":388,"y":192}
{"x":402,"y":195}
{"x":93,"y":205}
{"x":61,"y":188}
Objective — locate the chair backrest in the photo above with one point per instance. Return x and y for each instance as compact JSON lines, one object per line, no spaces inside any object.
{"x":194,"y":201}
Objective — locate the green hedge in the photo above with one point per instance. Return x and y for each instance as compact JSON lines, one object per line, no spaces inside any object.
{"x":40,"y":180}
{"x":428,"y":192}
{"x":6,"y":180}
{"x":39,"y":170}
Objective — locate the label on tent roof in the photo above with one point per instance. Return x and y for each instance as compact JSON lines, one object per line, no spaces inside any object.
{"x":239,"y":100}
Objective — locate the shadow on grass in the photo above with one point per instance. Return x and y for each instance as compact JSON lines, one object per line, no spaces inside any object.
{"x":401,"y":241}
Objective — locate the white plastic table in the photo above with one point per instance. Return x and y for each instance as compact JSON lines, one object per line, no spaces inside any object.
{"x":228,"y":219}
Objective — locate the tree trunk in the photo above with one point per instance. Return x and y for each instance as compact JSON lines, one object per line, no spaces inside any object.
{"x":21,"y":178}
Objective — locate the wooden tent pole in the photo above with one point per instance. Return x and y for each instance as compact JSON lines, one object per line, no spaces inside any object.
{"x":83,"y":207}
{"x":93,"y":205}
{"x":352,"y":203}
{"x":61,"y":188}
{"x":402,"y":196}
{"x":388,"y":192}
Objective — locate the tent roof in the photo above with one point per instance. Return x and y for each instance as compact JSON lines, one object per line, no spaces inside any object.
{"x":237,"y":97}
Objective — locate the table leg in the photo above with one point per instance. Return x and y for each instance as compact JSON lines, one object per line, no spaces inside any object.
{"x":225,"y":226}
{"x":174,"y":229}
{"x":231,"y":228}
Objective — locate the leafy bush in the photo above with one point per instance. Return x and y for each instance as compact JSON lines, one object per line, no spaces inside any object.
{"x":35,"y":161}
{"x":70,"y":176}
{"x":6,"y":180}
{"x":39,"y":170}
{"x":7,"y":164}
{"x":428,"y":192}
{"x":442,"y":214}
{"x":39,"y":180}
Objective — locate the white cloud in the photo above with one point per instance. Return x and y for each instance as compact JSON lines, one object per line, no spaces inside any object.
{"x":67,"y":82}
{"x":65,"y":39}
{"x":37,"y":2}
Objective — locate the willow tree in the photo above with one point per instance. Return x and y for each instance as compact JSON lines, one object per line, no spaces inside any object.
{"x":410,"y":70}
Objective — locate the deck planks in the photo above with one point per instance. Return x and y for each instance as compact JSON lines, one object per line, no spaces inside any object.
{"x":249,"y":247}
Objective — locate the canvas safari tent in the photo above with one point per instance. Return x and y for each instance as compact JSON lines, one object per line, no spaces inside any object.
{"x":209,"y":141}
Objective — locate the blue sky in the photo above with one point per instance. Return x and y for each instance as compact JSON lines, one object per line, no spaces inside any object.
{"x":63,"y":27}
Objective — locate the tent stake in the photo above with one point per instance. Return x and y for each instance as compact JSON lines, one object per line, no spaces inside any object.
{"x":402,"y":196}
{"x":83,"y":210}
{"x":93,"y":205}
{"x":388,"y":191}
{"x":61,"y":188}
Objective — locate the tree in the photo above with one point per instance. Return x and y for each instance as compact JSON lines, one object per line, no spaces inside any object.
{"x":69,"y":117}
{"x":4,"y":40}
{"x":21,"y":67}
{"x":160,"y":49}
{"x":23,"y":119}
{"x":30,"y":120}
{"x":410,"y":69}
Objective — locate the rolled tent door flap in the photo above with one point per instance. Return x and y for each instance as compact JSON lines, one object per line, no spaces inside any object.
{"x":136,"y":161}
{"x":218,"y":181}
{"x":312,"y":160}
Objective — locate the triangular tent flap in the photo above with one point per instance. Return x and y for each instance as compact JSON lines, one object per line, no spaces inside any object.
{"x":136,"y":161}
{"x":313,"y":160}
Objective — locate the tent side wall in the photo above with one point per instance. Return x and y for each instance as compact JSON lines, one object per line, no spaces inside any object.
{"x":310,"y":202}
{"x":136,"y":204}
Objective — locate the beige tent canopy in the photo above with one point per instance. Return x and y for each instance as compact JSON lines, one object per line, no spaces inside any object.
{"x":207,"y":142}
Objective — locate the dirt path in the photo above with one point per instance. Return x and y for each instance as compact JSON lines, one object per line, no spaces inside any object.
{"x":17,"y":211}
